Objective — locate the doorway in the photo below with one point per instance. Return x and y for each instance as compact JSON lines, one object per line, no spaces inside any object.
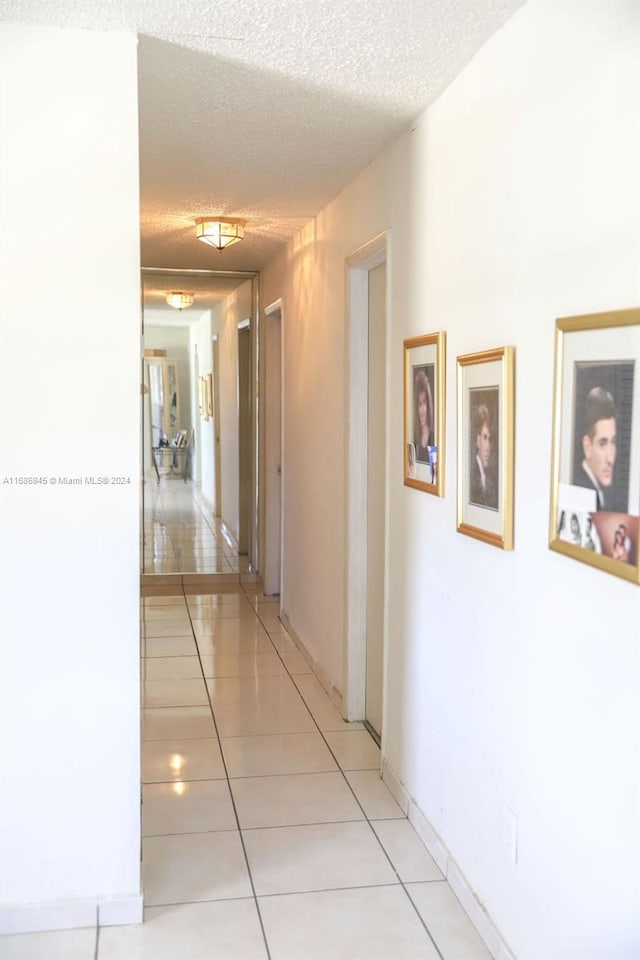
{"x":376,"y":489}
{"x":367,"y":471}
{"x":273,"y":447}
{"x":244,"y":436}
{"x":217,"y":471}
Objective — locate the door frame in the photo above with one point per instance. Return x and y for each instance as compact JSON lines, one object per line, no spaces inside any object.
{"x":244,"y":336}
{"x":217,"y":472}
{"x":357,"y":267}
{"x":273,"y":309}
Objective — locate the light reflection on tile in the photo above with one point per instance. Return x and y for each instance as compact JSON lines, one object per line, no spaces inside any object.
{"x":168,"y":760}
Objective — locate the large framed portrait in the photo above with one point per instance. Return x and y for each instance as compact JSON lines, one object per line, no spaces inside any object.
{"x":424,"y":412}
{"x":485,"y":446}
{"x":595,"y":474}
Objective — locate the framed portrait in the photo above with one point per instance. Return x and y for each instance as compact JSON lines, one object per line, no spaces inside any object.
{"x":595,"y":472}
{"x":485,"y":446}
{"x":201,"y":397}
{"x":424,"y":410}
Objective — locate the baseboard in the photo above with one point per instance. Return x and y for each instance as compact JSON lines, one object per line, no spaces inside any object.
{"x":396,"y":787}
{"x":70,"y":914}
{"x":325,"y":682}
{"x":470,"y":902}
{"x":120,"y":911}
{"x":298,"y":642}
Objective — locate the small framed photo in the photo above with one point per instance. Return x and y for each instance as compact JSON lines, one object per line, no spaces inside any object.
{"x":485,"y":446}
{"x":595,"y":473}
{"x":424,"y":410}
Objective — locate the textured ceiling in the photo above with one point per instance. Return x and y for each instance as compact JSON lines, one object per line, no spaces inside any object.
{"x":265,"y":109}
{"x":207,"y":290}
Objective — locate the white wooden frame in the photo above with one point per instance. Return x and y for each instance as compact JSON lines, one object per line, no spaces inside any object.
{"x":357,"y":267}
{"x":277,"y":308}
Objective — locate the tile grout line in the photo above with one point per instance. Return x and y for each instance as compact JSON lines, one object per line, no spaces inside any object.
{"x":404,"y":817}
{"x":233,"y":802}
{"x":338,"y":769}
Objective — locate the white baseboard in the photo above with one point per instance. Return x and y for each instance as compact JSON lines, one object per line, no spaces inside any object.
{"x":470,"y":903}
{"x":70,"y":914}
{"x":119,"y":911}
{"x":463,"y":890}
{"x":296,"y":639}
{"x":332,"y":691}
{"x":396,"y":787}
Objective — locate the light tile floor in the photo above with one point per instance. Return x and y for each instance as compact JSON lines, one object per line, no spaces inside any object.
{"x":268,"y":833}
{"x":179,"y":535}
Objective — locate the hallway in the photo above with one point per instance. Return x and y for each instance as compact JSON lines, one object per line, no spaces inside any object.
{"x":267,"y":831}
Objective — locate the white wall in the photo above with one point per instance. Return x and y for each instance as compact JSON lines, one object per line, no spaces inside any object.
{"x":71,"y":404}
{"x":512,"y":678}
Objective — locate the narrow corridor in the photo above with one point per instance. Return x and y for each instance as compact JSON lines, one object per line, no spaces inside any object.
{"x":268,"y":832}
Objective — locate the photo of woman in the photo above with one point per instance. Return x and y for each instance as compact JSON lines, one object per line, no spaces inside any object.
{"x":423,"y":413}
{"x":423,"y":426}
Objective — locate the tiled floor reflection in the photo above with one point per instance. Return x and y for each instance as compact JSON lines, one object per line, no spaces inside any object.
{"x":267,"y":831}
{"x":179,"y":535}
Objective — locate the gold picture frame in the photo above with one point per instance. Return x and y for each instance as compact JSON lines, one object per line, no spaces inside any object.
{"x":594,"y":509}
{"x":485,"y":434}
{"x":424,"y":412}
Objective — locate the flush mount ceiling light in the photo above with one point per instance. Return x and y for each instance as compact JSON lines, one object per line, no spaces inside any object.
{"x":179,"y":300}
{"x":220,"y":232}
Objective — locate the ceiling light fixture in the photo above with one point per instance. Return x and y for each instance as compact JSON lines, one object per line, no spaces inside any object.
{"x":179,"y":300}
{"x":220,"y":232}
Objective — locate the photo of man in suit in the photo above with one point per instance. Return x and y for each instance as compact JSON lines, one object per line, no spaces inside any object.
{"x":598,"y":445}
{"x":602,"y":418}
{"x":483,"y":486}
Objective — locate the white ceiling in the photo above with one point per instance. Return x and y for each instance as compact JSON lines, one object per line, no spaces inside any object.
{"x":206,"y":288}
{"x":265,"y":109}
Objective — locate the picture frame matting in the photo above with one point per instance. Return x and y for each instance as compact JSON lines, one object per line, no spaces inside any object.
{"x":594,"y":504}
{"x":424,"y":412}
{"x":485,"y":440}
